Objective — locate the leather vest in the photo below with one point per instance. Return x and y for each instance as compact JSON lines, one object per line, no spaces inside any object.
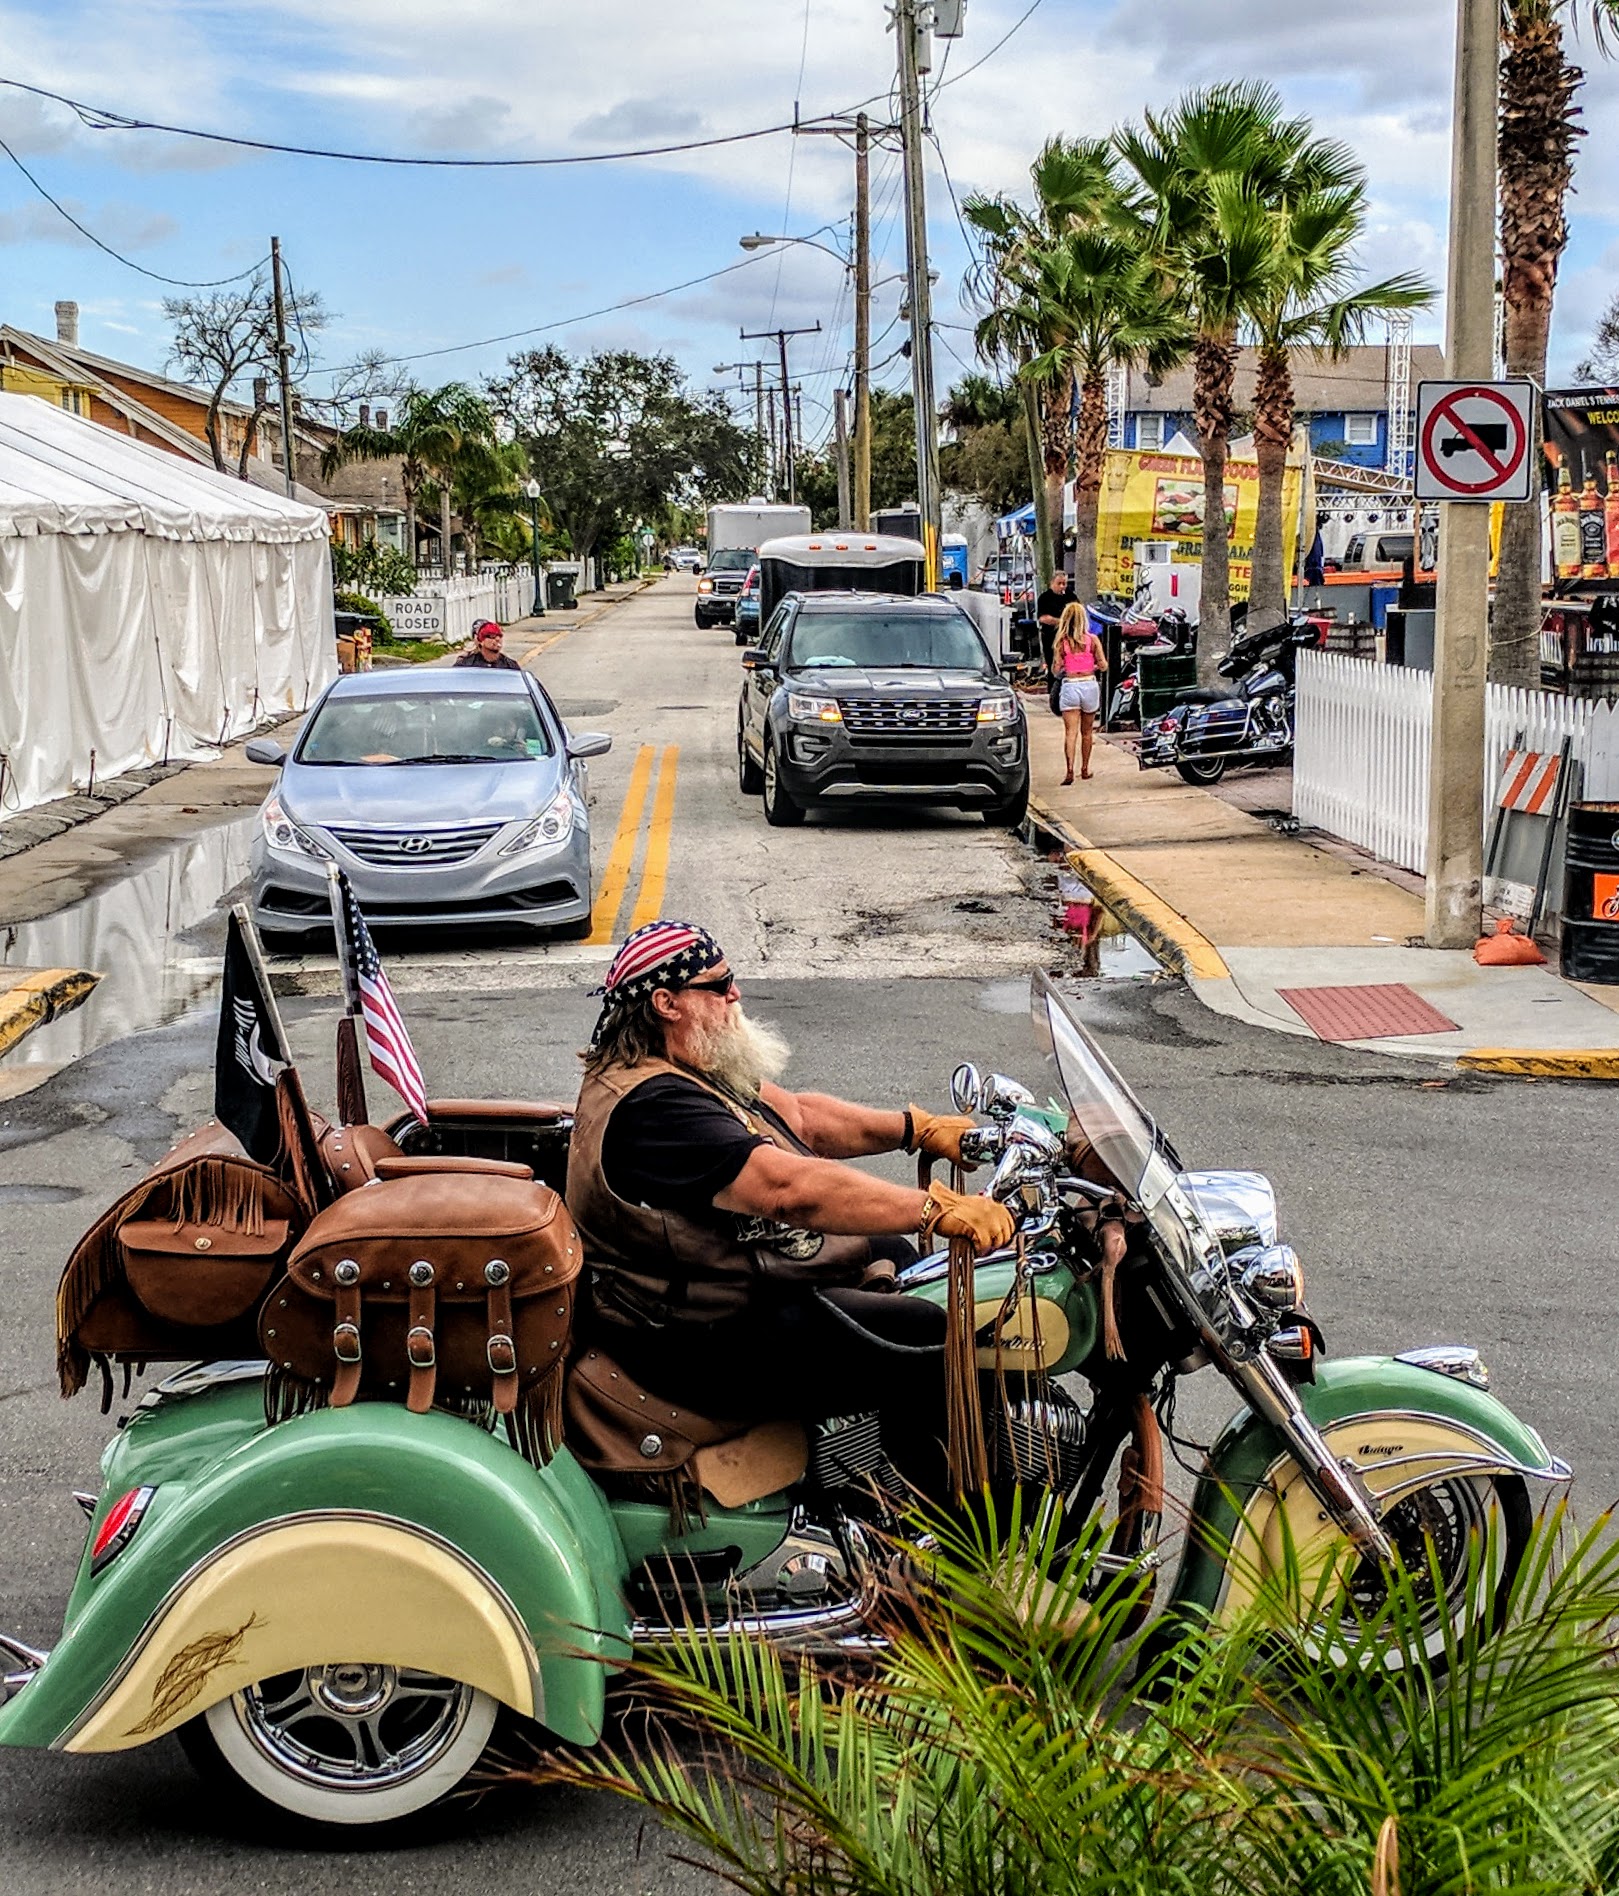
{"x":653,"y":1267}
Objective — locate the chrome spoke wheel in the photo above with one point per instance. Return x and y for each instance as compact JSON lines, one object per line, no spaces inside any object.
{"x":352,"y":1743}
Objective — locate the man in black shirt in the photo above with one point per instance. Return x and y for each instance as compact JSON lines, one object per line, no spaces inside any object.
{"x":1049,"y":609}
{"x":737,"y":1264}
{"x":486,"y":652}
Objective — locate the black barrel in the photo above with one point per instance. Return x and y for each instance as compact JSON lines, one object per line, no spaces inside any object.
{"x":1591,"y":894}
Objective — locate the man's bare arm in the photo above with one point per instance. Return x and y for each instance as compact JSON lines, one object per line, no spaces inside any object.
{"x":821,"y":1195}
{"x":836,"y":1128}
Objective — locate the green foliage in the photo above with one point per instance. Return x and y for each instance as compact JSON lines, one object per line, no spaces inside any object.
{"x":441,"y":435}
{"x":893,"y":462}
{"x":368,"y":608}
{"x":411,"y":651}
{"x":373,"y":567}
{"x":1024,"y":1735}
{"x":616,"y":437}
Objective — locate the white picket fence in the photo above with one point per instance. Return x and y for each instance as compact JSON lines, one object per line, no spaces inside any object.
{"x":448,"y":609}
{"x":1361,"y":746}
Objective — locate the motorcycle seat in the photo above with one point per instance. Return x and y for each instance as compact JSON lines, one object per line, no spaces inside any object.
{"x":614,"y":1426}
{"x":1202,"y":694}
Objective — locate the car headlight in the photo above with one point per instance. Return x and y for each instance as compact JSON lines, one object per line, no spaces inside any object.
{"x":705,"y":585}
{"x":801,"y":704}
{"x":550,"y":826}
{"x":997,"y":710}
{"x":285,"y":836}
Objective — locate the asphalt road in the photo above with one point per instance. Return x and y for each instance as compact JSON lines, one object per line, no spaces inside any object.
{"x":1424,"y":1209}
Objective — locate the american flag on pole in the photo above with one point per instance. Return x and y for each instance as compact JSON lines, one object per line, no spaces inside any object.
{"x":393,"y":1058}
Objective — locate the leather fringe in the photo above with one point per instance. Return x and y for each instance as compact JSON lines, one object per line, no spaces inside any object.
{"x":534,"y":1427}
{"x":293,"y":1159}
{"x":1112,"y":1256}
{"x":220,"y":1193}
{"x":966,"y":1453}
{"x":96,"y":1265}
{"x":287,"y":1396}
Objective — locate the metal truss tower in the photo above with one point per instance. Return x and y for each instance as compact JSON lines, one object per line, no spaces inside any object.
{"x":1400,"y":459}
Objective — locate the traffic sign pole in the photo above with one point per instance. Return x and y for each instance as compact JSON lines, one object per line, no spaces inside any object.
{"x":1461,"y":631}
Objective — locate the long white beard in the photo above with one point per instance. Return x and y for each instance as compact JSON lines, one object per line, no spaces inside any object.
{"x":742,"y":1054}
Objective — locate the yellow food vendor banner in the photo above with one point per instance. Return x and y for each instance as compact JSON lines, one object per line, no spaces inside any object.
{"x":1148,"y":496}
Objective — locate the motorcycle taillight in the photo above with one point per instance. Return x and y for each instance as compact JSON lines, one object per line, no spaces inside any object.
{"x":118,"y":1527}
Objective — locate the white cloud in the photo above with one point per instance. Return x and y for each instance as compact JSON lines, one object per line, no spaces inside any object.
{"x":120,"y":225}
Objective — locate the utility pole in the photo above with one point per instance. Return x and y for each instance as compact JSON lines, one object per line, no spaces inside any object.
{"x":861,"y":266}
{"x":781,"y":336}
{"x":283,"y":356}
{"x":764,"y":440}
{"x":775,"y":446}
{"x":1461,"y":633}
{"x":913,"y":30}
{"x":840,"y":423}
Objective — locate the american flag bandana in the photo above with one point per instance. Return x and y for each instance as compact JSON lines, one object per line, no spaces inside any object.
{"x":662,"y":954}
{"x":393,"y":1058}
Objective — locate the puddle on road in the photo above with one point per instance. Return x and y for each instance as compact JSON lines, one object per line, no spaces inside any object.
{"x":155,"y":938}
{"x":1104,"y":946}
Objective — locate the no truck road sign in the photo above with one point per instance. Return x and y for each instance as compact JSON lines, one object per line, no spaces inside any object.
{"x":1473,"y":441}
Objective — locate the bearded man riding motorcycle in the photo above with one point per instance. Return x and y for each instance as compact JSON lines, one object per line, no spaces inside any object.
{"x":738,"y":1265}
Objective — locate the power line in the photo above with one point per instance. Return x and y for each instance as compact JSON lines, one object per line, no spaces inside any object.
{"x":1013,"y":28}
{"x":562,"y":322}
{"x":179,"y":283}
{"x":99,"y":119}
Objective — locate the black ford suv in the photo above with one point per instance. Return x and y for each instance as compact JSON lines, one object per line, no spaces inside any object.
{"x":862,"y":696}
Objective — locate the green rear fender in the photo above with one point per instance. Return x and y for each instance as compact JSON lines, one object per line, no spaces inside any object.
{"x":421,"y":1539}
{"x":1395,"y":1421}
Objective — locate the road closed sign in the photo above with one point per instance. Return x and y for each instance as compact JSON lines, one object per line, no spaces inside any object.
{"x":1473,"y":440}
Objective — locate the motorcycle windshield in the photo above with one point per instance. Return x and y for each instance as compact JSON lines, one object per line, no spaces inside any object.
{"x":1106,"y":1114}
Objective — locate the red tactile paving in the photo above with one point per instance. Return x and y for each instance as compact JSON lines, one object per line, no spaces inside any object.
{"x":1365,"y":1013}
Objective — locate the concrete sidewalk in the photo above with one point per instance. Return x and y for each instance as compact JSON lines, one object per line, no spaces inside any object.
{"x":1245,"y":914}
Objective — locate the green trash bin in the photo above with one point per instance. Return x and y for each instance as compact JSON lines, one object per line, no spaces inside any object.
{"x":1161,"y":676}
{"x":559,"y":592}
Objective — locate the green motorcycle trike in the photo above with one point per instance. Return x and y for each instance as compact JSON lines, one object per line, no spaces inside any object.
{"x":332,"y":1607}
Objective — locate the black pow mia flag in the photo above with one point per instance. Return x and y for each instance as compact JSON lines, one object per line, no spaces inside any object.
{"x":249,"y":1051}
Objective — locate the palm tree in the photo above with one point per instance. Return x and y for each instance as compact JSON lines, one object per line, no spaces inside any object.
{"x":435,"y":433}
{"x":1207,"y":180}
{"x":1536,"y":169}
{"x":1089,"y":298}
{"x":1308,"y":304}
{"x":1073,"y":189}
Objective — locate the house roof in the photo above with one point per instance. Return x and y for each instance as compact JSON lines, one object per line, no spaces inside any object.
{"x":71,"y":364}
{"x":103,"y":365}
{"x":1357,"y":382}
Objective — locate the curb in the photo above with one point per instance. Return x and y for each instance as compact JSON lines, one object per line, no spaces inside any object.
{"x":1530,"y":1063}
{"x":39,"y":997}
{"x":1162,"y":931}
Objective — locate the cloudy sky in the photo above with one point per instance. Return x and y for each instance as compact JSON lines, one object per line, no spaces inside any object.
{"x":421,"y":260}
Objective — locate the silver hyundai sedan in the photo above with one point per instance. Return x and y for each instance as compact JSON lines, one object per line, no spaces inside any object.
{"x":447,"y":797}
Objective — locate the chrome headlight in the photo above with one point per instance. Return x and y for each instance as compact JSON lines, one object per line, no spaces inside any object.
{"x":549,"y":827}
{"x":803,"y":704}
{"x":997,"y":710}
{"x":286,"y":837}
{"x":1275,"y":1278}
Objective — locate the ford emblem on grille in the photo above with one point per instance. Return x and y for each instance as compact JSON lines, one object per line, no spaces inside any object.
{"x":911,"y":714}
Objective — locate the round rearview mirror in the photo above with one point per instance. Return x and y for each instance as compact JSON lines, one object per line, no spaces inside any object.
{"x":966,"y":1088}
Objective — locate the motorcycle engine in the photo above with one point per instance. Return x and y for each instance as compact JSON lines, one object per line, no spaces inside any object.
{"x":1040,"y":1440}
{"x":847,"y":1451}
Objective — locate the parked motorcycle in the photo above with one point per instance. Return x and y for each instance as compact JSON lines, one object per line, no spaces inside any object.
{"x":332,"y":1608}
{"x":1171,"y":635}
{"x":1208,"y":730}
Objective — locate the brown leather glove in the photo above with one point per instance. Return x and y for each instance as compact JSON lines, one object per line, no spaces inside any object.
{"x":949,"y":1214}
{"x":938,"y":1134}
{"x":881,"y":1275}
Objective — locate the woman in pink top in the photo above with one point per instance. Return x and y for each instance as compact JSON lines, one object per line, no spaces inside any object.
{"x":1080,"y":661}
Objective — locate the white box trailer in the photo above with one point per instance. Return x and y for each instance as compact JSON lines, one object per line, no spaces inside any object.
{"x":749,"y":523}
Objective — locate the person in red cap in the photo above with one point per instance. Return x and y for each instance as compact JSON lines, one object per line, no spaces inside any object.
{"x":738,"y":1264}
{"x":486,"y":643}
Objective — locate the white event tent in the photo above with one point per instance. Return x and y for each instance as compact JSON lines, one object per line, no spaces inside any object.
{"x":150,"y":607}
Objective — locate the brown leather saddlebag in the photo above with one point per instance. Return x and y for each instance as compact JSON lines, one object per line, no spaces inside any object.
{"x":431,"y":1287}
{"x":176,"y":1269}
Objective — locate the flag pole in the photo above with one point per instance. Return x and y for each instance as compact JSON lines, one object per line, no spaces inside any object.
{"x":305,"y":1159}
{"x":351,"y":1102}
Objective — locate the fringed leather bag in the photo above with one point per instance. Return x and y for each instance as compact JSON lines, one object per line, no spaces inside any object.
{"x":176,"y":1269}
{"x":447,"y":1283}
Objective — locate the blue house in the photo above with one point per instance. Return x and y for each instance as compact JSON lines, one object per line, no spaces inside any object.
{"x":1344,"y":402}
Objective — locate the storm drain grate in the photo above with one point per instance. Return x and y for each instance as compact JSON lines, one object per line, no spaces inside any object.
{"x":1374,"y":1012}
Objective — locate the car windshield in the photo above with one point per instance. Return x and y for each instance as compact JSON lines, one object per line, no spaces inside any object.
{"x":731,"y":559}
{"x":425,"y":728}
{"x":889,"y":641}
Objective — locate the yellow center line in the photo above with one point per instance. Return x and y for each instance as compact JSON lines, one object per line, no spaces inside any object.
{"x":622,"y":855}
{"x":655,"y":871}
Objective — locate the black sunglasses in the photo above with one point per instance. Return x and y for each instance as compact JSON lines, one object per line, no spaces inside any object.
{"x":715,"y":984}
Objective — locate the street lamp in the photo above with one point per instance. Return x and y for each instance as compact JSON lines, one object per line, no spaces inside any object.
{"x":531,"y":492}
{"x":760,"y":241}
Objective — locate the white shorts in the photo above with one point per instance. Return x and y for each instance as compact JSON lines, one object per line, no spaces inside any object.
{"x":1079,"y":694}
